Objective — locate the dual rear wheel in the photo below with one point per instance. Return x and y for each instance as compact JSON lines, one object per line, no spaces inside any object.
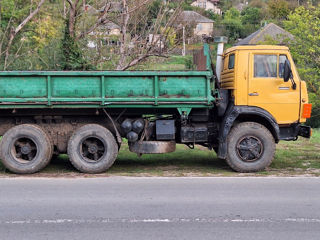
{"x":27,"y":148}
{"x":92,"y":149}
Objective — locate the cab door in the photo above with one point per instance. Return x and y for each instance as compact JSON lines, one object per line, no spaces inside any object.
{"x":268,"y":90}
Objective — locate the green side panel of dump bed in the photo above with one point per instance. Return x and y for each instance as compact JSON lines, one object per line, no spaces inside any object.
{"x":22,"y":87}
{"x":143,"y":89}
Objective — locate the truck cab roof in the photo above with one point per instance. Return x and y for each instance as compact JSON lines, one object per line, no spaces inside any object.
{"x":256,"y":47}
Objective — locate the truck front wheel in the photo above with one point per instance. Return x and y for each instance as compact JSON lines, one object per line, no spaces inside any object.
{"x":251,"y":147}
{"x":92,"y":149}
{"x":25,"y":149}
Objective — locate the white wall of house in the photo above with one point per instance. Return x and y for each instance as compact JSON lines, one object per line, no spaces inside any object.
{"x":156,"y":39}
{"x":203,"y":29}
{"x":207,"y":5}
{"x":114,"y":31}
{"x":92,"y":44}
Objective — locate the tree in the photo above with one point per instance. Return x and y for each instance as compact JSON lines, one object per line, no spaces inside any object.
{"x":15,"y":22}
{"x":233,"y":24}
{"x":258,"y":4}
{"x":73,"y":55}
{"x":139,"y":20}
{"x":251,"y":15}
{"x":225,"y":5}
{"x":278,"y":9}
{"x":304,"y":24}
{"x":154,"y":34}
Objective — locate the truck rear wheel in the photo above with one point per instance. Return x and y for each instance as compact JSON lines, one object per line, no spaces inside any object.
{"x":25,"y":149}
{"x":251,"y":147}
{"x":92,"y":149}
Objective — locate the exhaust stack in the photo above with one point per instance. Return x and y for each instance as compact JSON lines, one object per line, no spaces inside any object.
{"x":221,"y":40}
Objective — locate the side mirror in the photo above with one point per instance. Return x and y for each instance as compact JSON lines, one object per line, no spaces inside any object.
{"x":287,"y":72}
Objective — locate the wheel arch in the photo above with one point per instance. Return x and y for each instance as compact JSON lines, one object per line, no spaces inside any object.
{"x":251,"y":117}
{"x":237,"y":114}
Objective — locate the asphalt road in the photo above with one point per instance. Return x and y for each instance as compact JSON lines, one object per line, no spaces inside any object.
{"x":160,"y":208}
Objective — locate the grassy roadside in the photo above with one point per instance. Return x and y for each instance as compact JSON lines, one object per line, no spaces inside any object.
{"x":301,"y":157}
{"x":172,"y":63}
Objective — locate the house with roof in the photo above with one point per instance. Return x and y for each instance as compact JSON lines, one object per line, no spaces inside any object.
{"x":107,"y":33}
{"x":200,"y":25}
{"x":208,"y":5}
{"x":267,"y":33}
{"x":108,"y":27}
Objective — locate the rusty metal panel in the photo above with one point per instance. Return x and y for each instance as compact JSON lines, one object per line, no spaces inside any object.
{"x":200,"y":60}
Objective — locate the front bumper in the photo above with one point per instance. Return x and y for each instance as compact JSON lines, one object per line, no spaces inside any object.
{"x":305,"y":131}
{"x":295,"y":130}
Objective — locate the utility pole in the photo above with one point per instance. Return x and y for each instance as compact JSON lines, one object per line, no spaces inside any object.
{"x":184,"y":41}
{"x":64,"y":9}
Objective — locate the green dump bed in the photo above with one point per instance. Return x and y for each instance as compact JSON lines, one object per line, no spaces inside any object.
{"x":85,"y":89}
{"x":109,"y":88}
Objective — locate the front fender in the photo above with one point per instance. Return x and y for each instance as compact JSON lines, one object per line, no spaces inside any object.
{"x":232,"y":113}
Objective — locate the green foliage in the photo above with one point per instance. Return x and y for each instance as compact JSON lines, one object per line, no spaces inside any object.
{"x":172,"y":63}
{"x":258,"y":4}
{"x":304,"y":24}
{"x":233,"y":25}
{"x":278,"y":9}
{"x":226,"y":4}
{"x":269,"y":40}
{"x":45,"y":31}
{"x":170,"y":34}
{"x":251,"y":15}
{"x":251,"y":18}
{"x":14,"y":10}
{"x":37,"y":46}
{"x":314,"y":121}
{"x":73,"y":55}
{"x":211,"y":15}
{"x":154,"y":9}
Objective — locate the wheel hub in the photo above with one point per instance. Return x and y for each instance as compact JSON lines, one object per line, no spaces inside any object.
{"x":93,"y":148}
{"x":249,"y":148}
{"x":25,"y":150}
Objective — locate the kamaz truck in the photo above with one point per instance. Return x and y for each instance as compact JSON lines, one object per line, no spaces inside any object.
{"x":241,"y":109}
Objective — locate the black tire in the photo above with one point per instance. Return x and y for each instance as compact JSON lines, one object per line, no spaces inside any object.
{"x":92,"y":149}
{"x":251,"y":147}
{"x":25,"y":149}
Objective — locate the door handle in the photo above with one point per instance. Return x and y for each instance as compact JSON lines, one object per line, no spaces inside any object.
{"x":254,"y":94}
{"x":284,"y":88}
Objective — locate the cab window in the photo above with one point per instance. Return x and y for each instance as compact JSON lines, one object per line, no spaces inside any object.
{"x":265,"y":66}
{"x":231,"y":62}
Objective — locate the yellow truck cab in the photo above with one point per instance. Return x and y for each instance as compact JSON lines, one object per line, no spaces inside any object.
{"x":263,"y":90}
{"x":255,"y":76}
